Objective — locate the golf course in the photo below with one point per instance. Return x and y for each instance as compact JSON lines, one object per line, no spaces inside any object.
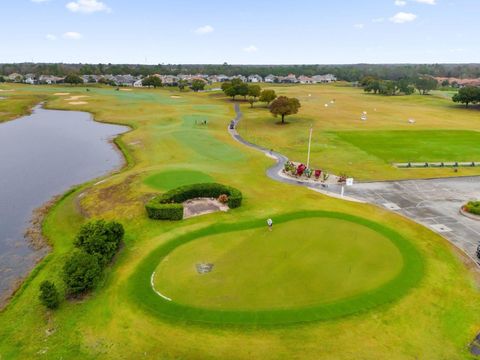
{"x":331,"y":278}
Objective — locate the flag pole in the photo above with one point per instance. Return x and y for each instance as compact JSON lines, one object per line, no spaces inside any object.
{"x":309,"y":144}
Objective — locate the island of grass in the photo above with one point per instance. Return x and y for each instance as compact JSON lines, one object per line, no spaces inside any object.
{"x":170,"y":205}
{"x":314,"y":265}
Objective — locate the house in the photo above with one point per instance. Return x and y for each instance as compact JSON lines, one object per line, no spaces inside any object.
{"x":169,"y":80}
{"x":254,"y":79}
{"x":241,"y":77}
{"x":289,"y":79}
{"x":50,"y":79}
{"x":30,"y":79}
{"x":16,"y":77}
{"x":138,"y":83}
{"x":302,"y":79}
{"x":270,"y":78}
{"x":328,"y":78}
{"x":124,"y":80}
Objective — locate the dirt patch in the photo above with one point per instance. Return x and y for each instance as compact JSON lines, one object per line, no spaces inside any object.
{"x":34,"y":231}
{"x":61,"y":94}
{"x":202,"y":206}
{"x":125,"y":89}
{"x":76,"y":97}
{"x":78,"y":102}
{"x":5,"y":90}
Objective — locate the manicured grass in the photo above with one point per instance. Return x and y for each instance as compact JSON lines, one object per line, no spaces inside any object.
{"x":369,"y":157}
{"x":358,"y":266}
{"x":416,"y":146}
{"x":167,"y":180}
{"x":435,"y":319}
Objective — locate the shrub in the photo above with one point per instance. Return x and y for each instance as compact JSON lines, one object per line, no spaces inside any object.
{"x":81,"y":272}
{"x":473,"y":207}
{"x":49,"y":295}
{"x":168,"y":205}
{"x":100,"y":238}
{"x":160,"y":211}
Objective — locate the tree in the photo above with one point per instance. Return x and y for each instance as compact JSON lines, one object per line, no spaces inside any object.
{"x":49,"y":295}
{"x":252,"y":100}
{"x":2,"y":79}
{"x":182,"y":84}
{"x":284,"y":106}
{"x":81,"y":273}
{"x":198,"y":84}
{"x":425,"y":84}
{"x":254,"y":91}
{"x":405,"y":86}
{"x":150,"y":81}
{"x":267,"y":96}
{"x":234,"y":88}
{"x":106,"y":81}
{"x":467,"y":95}
{"x":372,"y":85}
{"x":73,"y":79}
{"x":100,"y":238}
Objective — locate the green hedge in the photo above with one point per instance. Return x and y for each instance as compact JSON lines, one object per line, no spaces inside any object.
{"x":473,"y":207}
{"x":159,"y":211}
{"x":168,"y":205}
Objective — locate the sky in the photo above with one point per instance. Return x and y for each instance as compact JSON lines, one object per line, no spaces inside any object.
{"x":240,"y":32}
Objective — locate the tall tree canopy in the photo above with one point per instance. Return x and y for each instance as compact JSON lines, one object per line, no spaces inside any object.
{"x":467,"y":95}
{"x":284,"y":106}
{"x":154,"y":81}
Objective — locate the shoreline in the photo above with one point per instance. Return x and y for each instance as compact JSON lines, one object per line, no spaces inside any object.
{"x":33,"y":233}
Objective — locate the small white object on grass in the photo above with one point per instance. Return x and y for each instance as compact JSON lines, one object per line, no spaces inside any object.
{"x":326,"y":105}
{"x":411,"y":121}
{"x":332,"y":102}
{"x":309,"y":95}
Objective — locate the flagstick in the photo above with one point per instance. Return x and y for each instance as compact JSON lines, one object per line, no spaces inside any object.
{"x":309,"y":143}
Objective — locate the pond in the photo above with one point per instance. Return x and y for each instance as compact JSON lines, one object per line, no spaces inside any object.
{"x":43,"y":155}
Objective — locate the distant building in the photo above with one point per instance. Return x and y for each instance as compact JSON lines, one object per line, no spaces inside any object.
{"x":255,"y":79}
{"x":270,"y":78}
{"x":302,"y":79}
{"x":30,"y":79}
{"x":328,"y":78}
{"x":16,"y":77}
{"x":50,"y":79}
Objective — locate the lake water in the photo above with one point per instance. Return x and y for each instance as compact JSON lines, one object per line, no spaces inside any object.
{"x":43,"y":155}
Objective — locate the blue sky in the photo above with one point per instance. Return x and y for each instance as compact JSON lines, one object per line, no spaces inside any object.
{"x":246,"y":32}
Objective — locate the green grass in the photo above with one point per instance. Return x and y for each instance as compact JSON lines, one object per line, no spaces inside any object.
{"x":270,"y":290}
{"x":416,"y":146}
{"x":167,"y":180}
{"x":435,"y":319}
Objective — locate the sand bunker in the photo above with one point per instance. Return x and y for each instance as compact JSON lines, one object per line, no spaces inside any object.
{"x":175,"y":97}
{"x":78,"y":102}
{"x":61,"y":94}
{"x":125,"y":89}
{"x":6,"y":90}
{"x":76,"y":97}
{"x":202,"y":206}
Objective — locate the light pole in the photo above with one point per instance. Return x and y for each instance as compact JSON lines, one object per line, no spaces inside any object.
{"x":309,"y":144}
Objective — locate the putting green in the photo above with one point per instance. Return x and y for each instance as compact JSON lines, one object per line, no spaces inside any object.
{"x":313,"y":266}
{"x":167,"y":180}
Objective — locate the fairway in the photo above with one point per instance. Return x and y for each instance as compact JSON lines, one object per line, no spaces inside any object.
{"x":416,"y":146}
{"x":167,"y":180}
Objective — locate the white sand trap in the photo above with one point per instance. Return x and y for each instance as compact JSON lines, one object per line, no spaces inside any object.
{"x":61,"y":94}
{"x":5,"y":90}
{"x":175,"y":97}
{"x":76,"y":97}
{"x":202,"y":206}
{"x":78,"y":102}
{"x":125,"y":89}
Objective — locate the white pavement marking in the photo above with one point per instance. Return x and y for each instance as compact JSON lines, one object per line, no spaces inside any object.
{"x":158,"y":292}
{"x":440,"y":228}
{"x":392,"y":206}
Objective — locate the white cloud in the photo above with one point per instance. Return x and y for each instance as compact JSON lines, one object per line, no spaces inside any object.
{"x":359,"y":26}
{"x":202,"y":30}
{"x":403,"y":17}
{"x":72,"y":35}
{"x":39,"y":1}
{"x":378,"y":20}
{"x":428,"y":2}
{"x":87,"y":6}
{"x":50,"y":37}
{"x":250,"y":49}
{"x":400,"y":2}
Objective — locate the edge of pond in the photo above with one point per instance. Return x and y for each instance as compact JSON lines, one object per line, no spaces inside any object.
{"x":128,"y":162}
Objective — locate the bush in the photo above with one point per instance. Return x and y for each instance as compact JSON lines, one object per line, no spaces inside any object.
{"x":223,"y":198}
{"x":100,"y":238}
{"x":473,"y":207}
{"x":159,"y":211}
{"x":49,"y":295}
{"x":168,"y":205}
{"x":81,"y":272}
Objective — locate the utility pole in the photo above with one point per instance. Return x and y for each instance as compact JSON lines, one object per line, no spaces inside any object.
{"x":309,"y":144}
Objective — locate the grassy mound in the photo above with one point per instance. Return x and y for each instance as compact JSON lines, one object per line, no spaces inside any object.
{"x":406,"y":271}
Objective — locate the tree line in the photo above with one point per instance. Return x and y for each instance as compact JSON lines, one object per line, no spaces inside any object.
{"x":405,"y":86}
{"x":354,"y":72}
